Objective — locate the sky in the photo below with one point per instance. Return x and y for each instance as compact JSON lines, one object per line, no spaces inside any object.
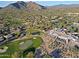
{"x":44,"y":3}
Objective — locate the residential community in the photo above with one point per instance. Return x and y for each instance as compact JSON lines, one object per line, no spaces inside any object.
{"x":31,"y":30}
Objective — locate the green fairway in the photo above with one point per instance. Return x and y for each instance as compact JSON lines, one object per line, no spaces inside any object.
{"x":37,"y":41}
{"x":12,"y":47}
{"x":20,"y":45}
{"x":26,"y":45}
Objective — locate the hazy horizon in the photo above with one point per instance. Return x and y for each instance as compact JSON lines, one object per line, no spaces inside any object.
{"x":44,"y":3}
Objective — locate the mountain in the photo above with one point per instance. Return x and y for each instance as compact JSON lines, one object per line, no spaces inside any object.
{"x":33,"y":5}
{"x":17,"y":5}
{"x":25,"y":5}
{"x":64,"y":6}
{"x":0,"y":7}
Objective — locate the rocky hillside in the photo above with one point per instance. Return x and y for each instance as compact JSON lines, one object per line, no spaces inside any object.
{"x":25,"y":6}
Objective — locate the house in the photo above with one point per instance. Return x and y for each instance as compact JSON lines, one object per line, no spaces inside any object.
{"x":38,"y":53}
{"x":11,"y":36}
{"x":76,"y":34}
{"x":56,"y":53}
{"x":62,"y":35}
{"x":1,"y":39}
{"x":35,"y":33}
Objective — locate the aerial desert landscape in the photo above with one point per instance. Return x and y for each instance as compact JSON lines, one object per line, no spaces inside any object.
{"x":34,"y":30}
